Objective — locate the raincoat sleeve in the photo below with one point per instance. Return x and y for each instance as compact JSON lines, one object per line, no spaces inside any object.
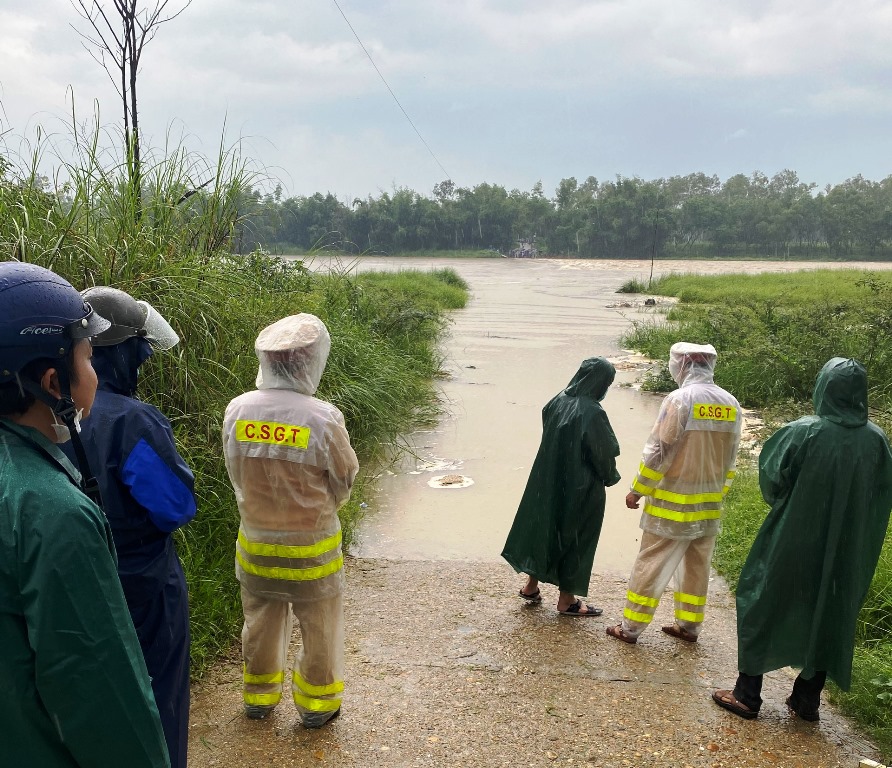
{"x":157,"y":476}
{"x":602,"y":448}
{"x":779,"y":462}
{"x":89,"y":669}
{"x":343,"y":464}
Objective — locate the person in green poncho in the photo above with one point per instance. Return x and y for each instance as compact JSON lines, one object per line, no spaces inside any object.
{"x":556,"y":528}
{"x":76,"y":693}
{"x":828,"y":479}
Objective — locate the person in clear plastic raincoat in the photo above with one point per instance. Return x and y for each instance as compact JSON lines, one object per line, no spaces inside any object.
{"x":558,"y":522}
{"x":686,"y":469}
{"x":828,"y":479}
{"x":76,"y":692}
{"x":289,"y":458}
{"x":147,"y":493}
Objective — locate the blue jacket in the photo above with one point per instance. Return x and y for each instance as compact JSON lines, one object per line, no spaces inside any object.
{"x":147,"y":489}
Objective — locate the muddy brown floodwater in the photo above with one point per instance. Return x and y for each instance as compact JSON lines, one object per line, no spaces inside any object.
{"x":527,"y":327}
{"x":445,"y":667}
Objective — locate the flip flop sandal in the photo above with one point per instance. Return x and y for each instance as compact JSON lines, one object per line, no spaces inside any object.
{"x":617,"y":632}
{"x":679,"y":633}
{"x":576,"y":610}
{"x":726,"y":700}
{"x":535,"y":597}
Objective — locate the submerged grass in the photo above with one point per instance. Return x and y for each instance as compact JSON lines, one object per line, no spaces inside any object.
{"x":170,"y":248}
{"x":773,"y":333}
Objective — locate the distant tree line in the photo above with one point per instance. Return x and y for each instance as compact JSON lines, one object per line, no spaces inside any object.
{"x":694,"y":215}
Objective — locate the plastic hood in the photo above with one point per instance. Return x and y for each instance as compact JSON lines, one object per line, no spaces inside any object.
{"x":292,"y":353}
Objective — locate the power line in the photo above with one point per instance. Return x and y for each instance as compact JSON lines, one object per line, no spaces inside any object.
{"x":365,"y":50}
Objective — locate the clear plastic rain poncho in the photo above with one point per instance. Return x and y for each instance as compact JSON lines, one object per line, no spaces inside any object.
{"x":291,"y":464}
{"x":688,"y":462}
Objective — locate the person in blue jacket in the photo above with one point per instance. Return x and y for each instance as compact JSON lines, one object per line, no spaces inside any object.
{"x":147,"y":493}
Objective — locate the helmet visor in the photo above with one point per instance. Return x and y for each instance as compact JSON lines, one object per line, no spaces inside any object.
{"x":157,"y":330}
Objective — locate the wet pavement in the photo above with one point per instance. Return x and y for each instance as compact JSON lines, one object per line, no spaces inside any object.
{"x":447,"y":667}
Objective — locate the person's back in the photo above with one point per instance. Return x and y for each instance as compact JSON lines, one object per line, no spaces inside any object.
{"x":828,"y":479}
{"x":558,"y":522}
{"x":686,"y":469}
{"x":688,"y":461}
{"x":291,"y":465}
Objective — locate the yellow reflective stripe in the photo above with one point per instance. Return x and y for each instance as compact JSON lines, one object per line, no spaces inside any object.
{"x":684,"y":597}
{"x":650,"y":602}
{"x":689,"y":616}
{"x":642,"y":618}
{"x":281,"y":550}
{"x":682,"y":517}
{"x":262,"y":699}
{"x":316,"y":690}
{"x":273,"y":677}
{"x":687,"y":498}
{"x":315,"y":705}
{"x":650,"y":474}
{"x":291,"y":574}
{"x":644,"y":490}
{"x":731,"y":474}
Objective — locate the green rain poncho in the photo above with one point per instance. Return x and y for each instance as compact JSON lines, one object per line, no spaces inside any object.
{"x":828,"y":479}
{"x":558,"y":522}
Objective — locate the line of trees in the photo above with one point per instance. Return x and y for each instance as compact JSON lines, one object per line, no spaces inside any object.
{"x":694,"y":215}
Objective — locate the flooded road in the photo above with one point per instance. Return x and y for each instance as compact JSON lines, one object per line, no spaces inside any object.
{"x":527,"y":326}
{"x":443,"y":664}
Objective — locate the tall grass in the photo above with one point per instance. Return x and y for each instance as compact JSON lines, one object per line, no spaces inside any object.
{"x":773,"y":333}
{"x":172,"y":251}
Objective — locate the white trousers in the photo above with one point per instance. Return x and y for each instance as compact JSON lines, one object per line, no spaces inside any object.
{"x":317,"y":675}
{"x":658,"y":560}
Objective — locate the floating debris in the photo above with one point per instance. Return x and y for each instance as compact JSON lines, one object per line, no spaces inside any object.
{"x":450,"y":481}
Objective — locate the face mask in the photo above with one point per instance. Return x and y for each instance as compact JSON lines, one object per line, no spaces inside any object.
{"x":63,"y":434}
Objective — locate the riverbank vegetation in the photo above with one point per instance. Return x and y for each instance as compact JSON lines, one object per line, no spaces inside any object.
{"x":172,"y":249}
{"x":773,"y":333}
{"x":693,"y":216}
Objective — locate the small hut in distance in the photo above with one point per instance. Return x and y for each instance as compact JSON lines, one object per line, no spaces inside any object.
{"x":526,"y":249}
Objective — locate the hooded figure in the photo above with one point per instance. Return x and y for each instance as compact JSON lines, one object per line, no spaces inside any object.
{"x":147,"y":493}
{"x":828,"y":479}
{"x":558,"y":522}
{"x":291,"y":465}
{"x":686,"y":469}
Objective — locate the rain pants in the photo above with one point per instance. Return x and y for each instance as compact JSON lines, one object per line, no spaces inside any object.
{"x":828,"y":479}
{"x":75,"y":691}
{"x":291,"y":465}
{"x":558,"y":522}
{"x":686,"y":469}
{"x":147,"y":493}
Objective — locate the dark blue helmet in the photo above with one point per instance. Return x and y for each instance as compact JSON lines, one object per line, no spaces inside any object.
{"x":41,"y":315}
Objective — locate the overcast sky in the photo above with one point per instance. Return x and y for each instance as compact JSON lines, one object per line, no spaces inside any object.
{"x":505,"y":91}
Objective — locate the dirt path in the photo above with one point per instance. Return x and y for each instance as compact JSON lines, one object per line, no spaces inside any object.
{"x":445,"y":667}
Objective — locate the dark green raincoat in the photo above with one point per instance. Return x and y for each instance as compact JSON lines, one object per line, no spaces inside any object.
{"x":828,"y":479}
{"x":558,"y":522}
